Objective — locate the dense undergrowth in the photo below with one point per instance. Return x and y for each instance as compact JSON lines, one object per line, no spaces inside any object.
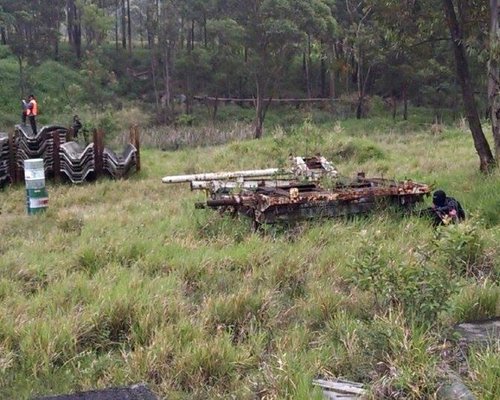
{"x":123,"y":282}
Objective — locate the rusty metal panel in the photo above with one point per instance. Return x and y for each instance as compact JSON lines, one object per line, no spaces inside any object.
{"x":136,"y":392}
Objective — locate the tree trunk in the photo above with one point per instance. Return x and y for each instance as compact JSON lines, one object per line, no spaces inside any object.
{"x":259,"y":111}
{"x":167,"y":80}
{"x":3,"y":36}
{"x":117,"y":6}
{"x":308,"y":67}
{"x":323,"y":72}
{"x":129,"y":28}
{"x":74,"y":28}
{"x":69,"y":22}
{"x":205,"y":36}
{"x":22,"y":83}
{"x":261,"y":107}
{"x":192,"y":34}
{"x":124,"y":26}
{"x":361,"y":95}
{"x":153,"y":75}
{"x":494,"y":76}
{"x":405,"y":101}
{"x":486,"y":160}
{"x":394,"y":107}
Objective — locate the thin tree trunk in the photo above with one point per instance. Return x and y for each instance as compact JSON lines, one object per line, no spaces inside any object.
{"x":216,"y":108}
{"x":405,"y":101}
{"x":167,"y":80}
{"x":307,"y":63}
{"x":494,"y":76}
{"x":124,"y":26}
{"x":129,"y":28}
{"x":153,"y":75}
{"x":205,"y":36}
{"x":74,"y":28}
{"x":261,"y":107}
{"x":69,"y":22}
{"x":259,"y":111}
{"x":486,"y":160}
{"x":394,"y":107}
{"x":324,"y":90}
{"x":3,"y":36}
{"x":359,"y":109}
{"x":117,"y":6}
{"x":192,"y":34}
{"x":22,"y":85}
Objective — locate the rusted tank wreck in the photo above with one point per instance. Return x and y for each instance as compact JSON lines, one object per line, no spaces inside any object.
{"x":310,"y":188}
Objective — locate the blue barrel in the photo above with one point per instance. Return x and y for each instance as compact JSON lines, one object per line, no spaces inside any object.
{"x":37,"y":199}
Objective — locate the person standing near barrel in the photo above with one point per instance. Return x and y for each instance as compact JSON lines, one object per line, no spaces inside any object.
{"x":30,"y":110}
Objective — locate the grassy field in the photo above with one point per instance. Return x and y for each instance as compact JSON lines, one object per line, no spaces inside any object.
{"x":124,"y":282}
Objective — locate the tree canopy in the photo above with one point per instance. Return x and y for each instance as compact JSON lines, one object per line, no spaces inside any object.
{"x":426,"y":53}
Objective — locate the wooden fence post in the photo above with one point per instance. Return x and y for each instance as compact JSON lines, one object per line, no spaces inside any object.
{"x":136,"y":142}
{"x":98,"y":152}
{"x":56,"y":158}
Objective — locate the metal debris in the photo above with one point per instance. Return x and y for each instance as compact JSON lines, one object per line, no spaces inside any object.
{"x":485,"y":332}
{"x":340,"y":389}
{"x":136,"y":392}
{"x":278,"y":195}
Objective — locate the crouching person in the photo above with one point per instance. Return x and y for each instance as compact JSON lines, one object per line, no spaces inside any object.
{"x":445,"y":210}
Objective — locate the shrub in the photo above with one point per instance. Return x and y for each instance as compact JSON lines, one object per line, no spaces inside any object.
{"x":421,"y":289}
{"x":410,"y":369}
{"x":476,"y":303}
{"x":461,"y":249}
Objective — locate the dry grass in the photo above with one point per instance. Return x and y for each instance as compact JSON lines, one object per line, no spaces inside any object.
{"x":121,"y":282}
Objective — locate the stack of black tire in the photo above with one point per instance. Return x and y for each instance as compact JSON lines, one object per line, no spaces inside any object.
{"x":77,"y":162}
{"x":119,"y":165}
{"x":4,"y":159}
{"x":41,"y":145}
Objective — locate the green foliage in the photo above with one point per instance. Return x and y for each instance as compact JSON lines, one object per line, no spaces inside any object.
{"x":474,"y":303}
{"x":185,"y":120}
{"x":411,"y":367}
{"x":462,"y":249}
{"x":422,"y":290}
{"x":484,"y":373}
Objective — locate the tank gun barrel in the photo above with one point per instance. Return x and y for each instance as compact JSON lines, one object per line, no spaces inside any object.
{"x":225,"y":175}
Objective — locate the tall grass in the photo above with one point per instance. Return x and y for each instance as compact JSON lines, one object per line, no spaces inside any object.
{"x":122,"y":282}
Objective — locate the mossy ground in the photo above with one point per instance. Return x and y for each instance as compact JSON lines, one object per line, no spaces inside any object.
{"x":124,"y":282}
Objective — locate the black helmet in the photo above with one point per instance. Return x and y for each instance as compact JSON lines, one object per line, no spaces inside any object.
{"x":439,"y":198}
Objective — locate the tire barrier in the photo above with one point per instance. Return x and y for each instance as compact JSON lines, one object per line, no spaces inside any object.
{"x":77,"y":163}
{"x":4,"y":159}
{"x":63,"y":158}
{"x":41,"y":145}
{"x":119,"y":166}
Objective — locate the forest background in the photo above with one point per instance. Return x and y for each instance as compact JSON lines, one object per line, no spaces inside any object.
{"x":107,"y":56}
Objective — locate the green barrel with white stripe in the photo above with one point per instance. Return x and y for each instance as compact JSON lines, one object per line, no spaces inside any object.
{"x":37,"y":199}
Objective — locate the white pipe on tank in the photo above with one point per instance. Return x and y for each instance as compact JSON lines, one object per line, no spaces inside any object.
{"x":225,"y":175}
